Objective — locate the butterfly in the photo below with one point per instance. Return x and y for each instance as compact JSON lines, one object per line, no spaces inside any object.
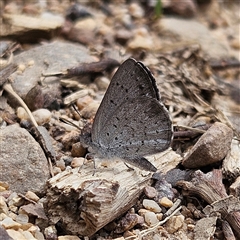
{"x":131,"y":121}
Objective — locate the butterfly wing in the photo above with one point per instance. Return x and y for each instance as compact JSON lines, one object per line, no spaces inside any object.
{"x":132,"y":79}
{"x":145,"y":128}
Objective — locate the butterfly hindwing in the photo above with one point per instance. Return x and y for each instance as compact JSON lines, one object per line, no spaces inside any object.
{"x":145,"y":128}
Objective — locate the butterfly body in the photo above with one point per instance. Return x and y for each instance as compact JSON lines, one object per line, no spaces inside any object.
{"x":131,"y":122}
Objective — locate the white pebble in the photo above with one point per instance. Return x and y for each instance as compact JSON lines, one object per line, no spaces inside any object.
{"x":136,"y":11}
{"x":150,"y":218}
{"x":15,"y":234}
{"x":31,"y":195}
{"x":42,"y":116}
{"x":22,"y":114}
{"x":9,"y":223}
{"x":22,"y":218}
{"x":28,"y":235}
{"x":77,"y":162}
{"x":151,"y":205}
{"x":61,"y":164}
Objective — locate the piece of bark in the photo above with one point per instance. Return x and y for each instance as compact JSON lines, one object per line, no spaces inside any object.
{"x":6,"y":72}
{"x":83,"y":203}
{"x":234,"y":189}
{"x":231,"y":163}
{"x":210,"y":187}
{"x":228,"y":233}
{"x":94,"y":67}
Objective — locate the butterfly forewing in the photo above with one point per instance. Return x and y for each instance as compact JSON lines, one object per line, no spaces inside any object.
{"x":132,"y":80}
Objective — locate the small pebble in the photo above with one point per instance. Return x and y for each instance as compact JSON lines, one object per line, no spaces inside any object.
{"x":2,"y":189}
{"x":50,"y":232}
{"x":234,"y":43}
{"x":136,"y":11}
{"x":17,"y":201}
{"x":150,"y":192}
{"x":16,"y":235}
{"x":67,"y":160}
{"x":190,"y":227}
{"x":13,"y":208}
{"x":33,"y":229}
{"x":42,"y":116}
{"x":123,"y":35}
{"x":126,"y":223}
{"x":56,"y":170}
{"x":4,"y":186}
{"x":31,"y":195}
{"x":69,"y":139}
{"x":30,"y":63}
{"x":142,"y":211}
{"x":174,"y":223}
{"x":28,"y":235}
{"x":21,"y":68}
{"x":140,"y":219}
{"x":150,"y":218}
{"x":12,"y":215}
{"x":38,"y":235}
{"x":9,"y":223}
{"x":78,"y":150}
{"x":90,"y":110}
{"x":165,"y":202}
{"x":102,"y":83}
{"x":159,"y":216}
{"x":83,"y":102}
{"x":141,"y":40}
{"x":26,"y":226}
{"x":22,"y":114}
{"x":3,"y":216}
{"x":22,"y":218}
{"x":151,"y":205}
{"x":61,"y":164}
{"x":87,"y":23}
{"x":77,"y":162}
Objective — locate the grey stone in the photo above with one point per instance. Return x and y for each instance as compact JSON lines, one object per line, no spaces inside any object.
{"x":195,"y":32}
{"x":211,"y":147}
{"x":49,"y":58}
{"x":22,"y":161}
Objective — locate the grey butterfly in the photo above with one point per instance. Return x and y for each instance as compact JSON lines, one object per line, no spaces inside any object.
{"x":131,"y":121}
